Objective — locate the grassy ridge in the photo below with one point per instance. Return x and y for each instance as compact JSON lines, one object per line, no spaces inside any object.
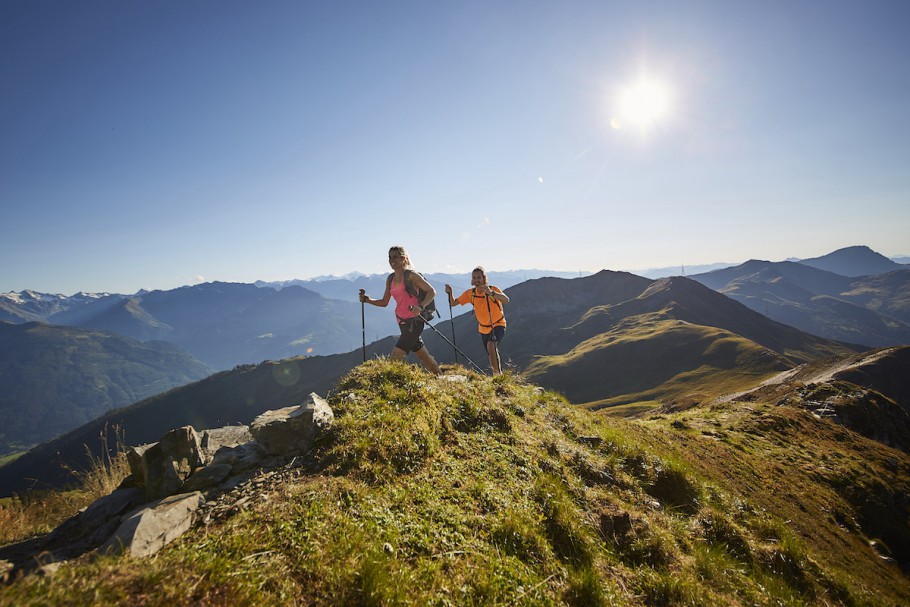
{"x":490,"y":491}
{"x":681,"y":357}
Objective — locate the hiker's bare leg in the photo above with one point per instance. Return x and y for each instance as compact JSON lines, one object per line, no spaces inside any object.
{"x":398,"y":353}
{"x":428,"y":361}
{"x":493,"y":351}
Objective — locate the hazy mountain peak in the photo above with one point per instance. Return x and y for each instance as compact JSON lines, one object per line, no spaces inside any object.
{"x":853,"y":261}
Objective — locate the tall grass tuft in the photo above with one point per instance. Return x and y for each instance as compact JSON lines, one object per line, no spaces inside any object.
{"x":36,"y":512}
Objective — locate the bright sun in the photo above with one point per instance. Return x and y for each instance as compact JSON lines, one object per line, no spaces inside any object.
{"x":641,"y":105}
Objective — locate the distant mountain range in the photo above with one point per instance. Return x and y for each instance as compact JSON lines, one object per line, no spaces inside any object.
{"x":53,"y":379}
{"x":850,"y":261}
{"x":221,"y":324}
{"x":346,"y":288}
{"x":603,"y":340}
{"x":871,"y":309}
{"x":226,"y":324}
{"x":642,"y":341}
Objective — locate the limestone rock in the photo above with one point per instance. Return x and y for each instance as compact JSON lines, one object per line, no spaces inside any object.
{"x":152,"y":527}
{"x":292,"y":430}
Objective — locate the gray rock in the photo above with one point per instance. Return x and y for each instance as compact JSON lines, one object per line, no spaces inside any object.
{"x":165,"y":465}
{"x":206,"y":478}
{"x":91,"y":526}
{"x":226,"y":436}
{"x":134,"y":458}
{"x":149,"y":529}
{"x":292,"y":430}
{"x":240,"y":458}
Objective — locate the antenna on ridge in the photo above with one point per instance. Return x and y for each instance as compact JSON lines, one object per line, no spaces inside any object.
{"x":684,"y":270}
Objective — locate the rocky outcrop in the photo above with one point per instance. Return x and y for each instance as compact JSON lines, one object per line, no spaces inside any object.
{"x":292,"y":429}
{"x":163,"y":467}
{"x":147,"y":530}
{"x":171,"y":480}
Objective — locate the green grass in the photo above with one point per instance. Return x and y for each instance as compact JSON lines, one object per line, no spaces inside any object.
{"x":5,"y":459}
{"x":494,"y":492}
{"x":655,"y":359}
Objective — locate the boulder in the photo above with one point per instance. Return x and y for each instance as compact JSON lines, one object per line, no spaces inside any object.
{"x":226,"y":436}
{"x":134,"y":458}
{"x":292,"y":430}
{"x":206,"y":478}
{"x":163,"y":466}
{"x":149,"y":529}
{"x":91,"y":526}
{"x":240,"y":458}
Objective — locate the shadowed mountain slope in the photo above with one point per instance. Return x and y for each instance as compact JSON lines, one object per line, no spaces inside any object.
{"x":870,"y":310}
{"x":868,"y":392}
{"x":223,"y":399}
{"x":54,"y":379}
{"x":611,"y":337}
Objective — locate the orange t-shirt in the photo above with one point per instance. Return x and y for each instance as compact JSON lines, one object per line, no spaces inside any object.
{"x":482,"y":310}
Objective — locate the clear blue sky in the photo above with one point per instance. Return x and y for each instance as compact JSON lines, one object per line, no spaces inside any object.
{"x":157,"y":144}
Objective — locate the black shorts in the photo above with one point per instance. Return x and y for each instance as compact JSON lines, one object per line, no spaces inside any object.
{"x":495,"y":335}
{"x":411,"y":329}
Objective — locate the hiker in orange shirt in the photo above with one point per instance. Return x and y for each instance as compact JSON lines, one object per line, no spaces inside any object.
{"x":491,"y":321}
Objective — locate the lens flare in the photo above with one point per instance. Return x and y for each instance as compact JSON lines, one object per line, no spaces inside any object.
{"x":287,"y":373}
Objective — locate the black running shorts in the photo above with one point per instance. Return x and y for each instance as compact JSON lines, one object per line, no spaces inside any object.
{"x":411,"y":329}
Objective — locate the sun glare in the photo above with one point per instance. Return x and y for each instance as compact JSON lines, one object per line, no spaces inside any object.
{"x":641,"y":105}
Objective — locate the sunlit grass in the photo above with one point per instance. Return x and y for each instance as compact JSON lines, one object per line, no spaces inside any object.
{"x":494,"y":492}
{"x":36,"y":512}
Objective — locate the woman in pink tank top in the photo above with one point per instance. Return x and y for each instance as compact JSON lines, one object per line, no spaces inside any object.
{"x":407,"y":307}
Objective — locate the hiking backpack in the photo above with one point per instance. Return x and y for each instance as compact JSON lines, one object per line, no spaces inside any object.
{"x":427,"y":313}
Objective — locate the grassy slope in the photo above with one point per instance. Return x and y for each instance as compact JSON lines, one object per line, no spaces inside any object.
{"x":681,"y":357}
{"x":675,"y":339}
{"x":494,"y":492}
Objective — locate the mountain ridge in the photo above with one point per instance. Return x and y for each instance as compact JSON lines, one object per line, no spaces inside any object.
{"x":871,"y":310}
{"x":545,"y":324}
{"x":54,"y":379}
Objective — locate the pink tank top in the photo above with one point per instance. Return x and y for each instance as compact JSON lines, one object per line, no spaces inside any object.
{"x":402,"y":300}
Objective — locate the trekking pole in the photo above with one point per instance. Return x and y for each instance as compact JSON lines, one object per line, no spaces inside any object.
{"x":363,"y":326}
{"x":452,"y":321}
{"x":495,"y":343}
{"x":439,"y":333}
